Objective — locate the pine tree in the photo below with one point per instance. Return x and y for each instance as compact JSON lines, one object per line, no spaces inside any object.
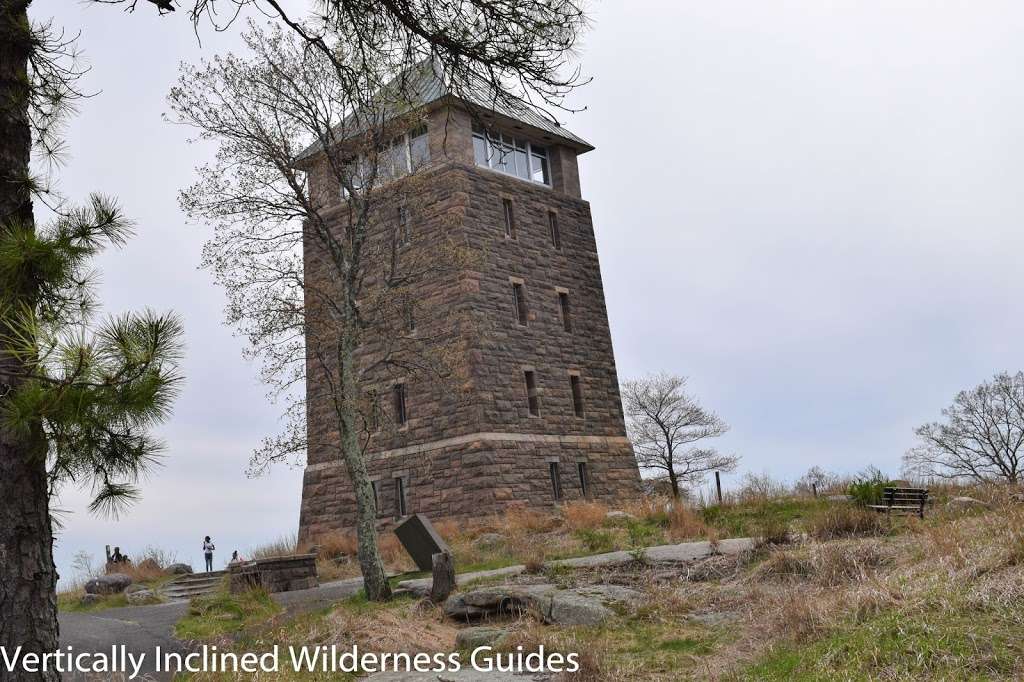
{"x":77,"y":397}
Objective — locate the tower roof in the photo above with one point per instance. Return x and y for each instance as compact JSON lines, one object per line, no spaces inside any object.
{"x":422,"y":86}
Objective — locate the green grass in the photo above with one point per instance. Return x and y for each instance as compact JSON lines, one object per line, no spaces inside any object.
{"x":223,"y":614}
{"x":961,"y":643}
{"x":747,"y":520}
{"x":71,"y":602}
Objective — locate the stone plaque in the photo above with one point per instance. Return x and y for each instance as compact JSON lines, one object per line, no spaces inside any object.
{"x":420,"y":540}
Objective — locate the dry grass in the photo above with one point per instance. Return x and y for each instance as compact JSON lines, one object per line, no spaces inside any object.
{"x":844,"y":521}
{"x":584,"y":515}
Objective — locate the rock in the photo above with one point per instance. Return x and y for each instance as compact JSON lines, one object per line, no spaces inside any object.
{"x":140,"y":597}
{"x":838,"y":498}
{"x":570,"y":608}
{"x":616,"y":516}
{"x":89,"y":599}
{"x":1017,"y":498}
{"x":113,"y":583}
{"x":964,"y":503}
{"x":489,"y":540}
{"x":482,"y":635}
{"x":611,"y":594}
{"x":135,"y":587}
{"x":485,"y":601}
{"x":179,"y":569}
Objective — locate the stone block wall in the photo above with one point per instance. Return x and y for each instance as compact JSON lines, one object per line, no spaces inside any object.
{"x":274,"y":574}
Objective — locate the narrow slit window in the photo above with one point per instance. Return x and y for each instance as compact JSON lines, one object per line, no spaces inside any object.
{"x":556,"y":481}
{"x":399,"y":497}
{"x":577,"y":394}
{"x":410,"y":318}
{"x":532,"y":399}
{"x":563,"y":307}
{"x":581,"y":469}
{"x":510,"y":219}
{"x":373,"y":419}
{"x":376,"y":496}
{"x":519,"y":301}
{"x":556,"y":237}
{"x":398,"y":393}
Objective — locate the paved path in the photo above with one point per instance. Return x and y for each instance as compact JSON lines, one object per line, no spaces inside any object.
{"x":144,"y":628}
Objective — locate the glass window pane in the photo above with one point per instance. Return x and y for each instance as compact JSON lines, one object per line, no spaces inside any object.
{"x":522,"y":167}
{"x":539,"y":161}
{"x":418,"y":147}
{"x":480,"y":150}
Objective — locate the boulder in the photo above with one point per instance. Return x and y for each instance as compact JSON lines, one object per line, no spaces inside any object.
{"x":113,"y":583}
{"x":572,"y":608}
{"x":478,"y":636}
{"x":89,"y":599}
{"x":964,"y":503}
{"x":135,"y":587}
{"x":143,"y":596}
{"x":616,"y":516}
{"x":1017,"y":498}
{"x":179,"y":569}
{"x":838,"y":498}
{"x":580,"y":606}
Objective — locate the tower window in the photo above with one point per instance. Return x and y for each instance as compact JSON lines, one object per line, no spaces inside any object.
{"x":410,"y":318}
{"x":519,"y":301}
{"x":584,"y":474}
{"x":577,"y":394}
{"x":556,"y":237}
{"x":532,"y":399}
{"x":399,"y":497}
{"x":510,"y":219}
{"x":512,"y":155}
{"x":556,"y":481}
{"x":398,"y":394}
{"x":563,"y":307}
{"x":376,"y":496}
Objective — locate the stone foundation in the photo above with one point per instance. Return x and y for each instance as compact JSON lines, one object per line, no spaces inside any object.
{"x":484,"y":475}
{"x":275,"y":574}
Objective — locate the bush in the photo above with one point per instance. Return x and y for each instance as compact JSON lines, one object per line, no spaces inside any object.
{"x":596,"y":540}
{"x":869,"y":487}
{"x":843,"y":521}
{"x":771,"y":530}
{"x":584,"y":515}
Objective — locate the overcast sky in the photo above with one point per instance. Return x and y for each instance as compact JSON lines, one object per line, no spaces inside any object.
{"x":811,"y":209}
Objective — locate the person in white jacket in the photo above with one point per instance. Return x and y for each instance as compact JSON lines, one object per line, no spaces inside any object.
{"x":208,"y":548}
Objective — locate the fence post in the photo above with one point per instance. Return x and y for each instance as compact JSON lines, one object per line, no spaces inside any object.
{"x":718,"y":486}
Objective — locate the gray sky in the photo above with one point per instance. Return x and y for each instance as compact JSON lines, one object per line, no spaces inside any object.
{"x":811,"y":209}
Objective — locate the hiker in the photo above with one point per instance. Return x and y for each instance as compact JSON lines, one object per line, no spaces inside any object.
{"x":208,"y":548}
{"x":236,"y":558}
{"x":117,"y":557}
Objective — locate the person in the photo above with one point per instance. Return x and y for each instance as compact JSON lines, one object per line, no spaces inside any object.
{"x":117,"y":557}
{"x":236,"y":557}
{"x":208,"y":548}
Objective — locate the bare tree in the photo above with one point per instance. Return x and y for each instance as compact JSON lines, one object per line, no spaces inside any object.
{"x":664,"y":423}
{"x":981,"y":438}
{"x":315,"y":271}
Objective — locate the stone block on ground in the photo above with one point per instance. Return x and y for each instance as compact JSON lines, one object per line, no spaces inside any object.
{"x":143,"y":596}
{"x":179,"y":569}
{"x":420,"y":540}
{"x":965,"y":503}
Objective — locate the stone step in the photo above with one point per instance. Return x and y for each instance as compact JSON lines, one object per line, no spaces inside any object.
{"x":193,"y":585}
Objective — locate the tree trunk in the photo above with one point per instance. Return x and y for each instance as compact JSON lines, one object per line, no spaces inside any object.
{"x":375,"y":580}
{"x":28,"y":580}
{"x":674,"y":482}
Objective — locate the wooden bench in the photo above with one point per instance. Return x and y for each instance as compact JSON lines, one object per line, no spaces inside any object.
{"x":903,"y":501}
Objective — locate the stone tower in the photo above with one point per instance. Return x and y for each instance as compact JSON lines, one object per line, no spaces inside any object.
{"x":538,"y":419}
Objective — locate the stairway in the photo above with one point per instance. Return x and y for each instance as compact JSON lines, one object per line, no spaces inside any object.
{"x":192,"y":585}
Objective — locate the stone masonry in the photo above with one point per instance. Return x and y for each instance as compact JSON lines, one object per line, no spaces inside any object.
{"x":470,"y":445}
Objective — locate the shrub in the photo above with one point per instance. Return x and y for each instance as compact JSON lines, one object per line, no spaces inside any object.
{"x":869,"y":487}
{"x":596,"y":540}
{"x":642,"y":534}
{"x":842,"y":521}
